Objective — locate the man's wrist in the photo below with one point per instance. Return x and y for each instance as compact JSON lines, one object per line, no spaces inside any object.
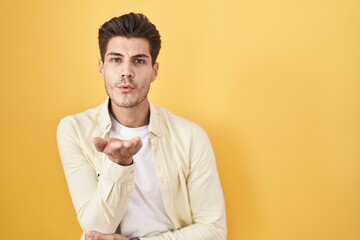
{"x":131,"y":163}
{"x":127,"y":162}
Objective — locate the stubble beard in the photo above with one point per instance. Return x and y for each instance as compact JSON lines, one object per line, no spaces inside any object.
{"x":125,"y":99}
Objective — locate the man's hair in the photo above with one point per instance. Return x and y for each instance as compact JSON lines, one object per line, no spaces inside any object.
{"x":131,"y":25}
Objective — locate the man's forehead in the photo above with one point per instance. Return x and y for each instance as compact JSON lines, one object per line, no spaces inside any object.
{"x":128,"y":46}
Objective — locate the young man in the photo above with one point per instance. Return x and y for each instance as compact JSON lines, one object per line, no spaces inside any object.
{"x":134,"y":170}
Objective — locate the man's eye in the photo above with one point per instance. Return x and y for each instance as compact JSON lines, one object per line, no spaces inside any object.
{"x":139,"y":61}
{"x":115,"y":59}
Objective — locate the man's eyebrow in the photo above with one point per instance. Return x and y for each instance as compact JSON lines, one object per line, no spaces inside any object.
{"x":135,"y":56}
{"x":140,"y":55}
{"x":115,"y":54}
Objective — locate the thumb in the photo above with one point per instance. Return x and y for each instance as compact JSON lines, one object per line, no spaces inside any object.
{"x":99,"y":143}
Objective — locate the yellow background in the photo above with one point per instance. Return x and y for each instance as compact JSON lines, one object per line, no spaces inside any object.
{"x":276,"y":84}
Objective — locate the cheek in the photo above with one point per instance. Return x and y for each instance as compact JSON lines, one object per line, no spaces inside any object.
{"x":109,"y":77}
{"x":108,"y":82}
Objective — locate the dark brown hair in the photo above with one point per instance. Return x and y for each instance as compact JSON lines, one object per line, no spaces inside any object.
{"x":131,"y":25}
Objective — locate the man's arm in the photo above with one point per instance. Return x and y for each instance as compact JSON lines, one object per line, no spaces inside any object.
{"x":205,"y":198}
{"x":100,"y":202}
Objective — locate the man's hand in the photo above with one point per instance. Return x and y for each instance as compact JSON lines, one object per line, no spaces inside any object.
{"x":119,"y":151}
{"x":93,"y":235}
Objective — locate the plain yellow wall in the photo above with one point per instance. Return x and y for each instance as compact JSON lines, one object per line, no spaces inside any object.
{"x":276,"y":84}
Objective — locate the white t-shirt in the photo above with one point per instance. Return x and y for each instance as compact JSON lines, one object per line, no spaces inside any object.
{"x":145,"y":215}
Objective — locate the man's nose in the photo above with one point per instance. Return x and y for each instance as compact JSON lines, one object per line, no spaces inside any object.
{"x":127,"y":71}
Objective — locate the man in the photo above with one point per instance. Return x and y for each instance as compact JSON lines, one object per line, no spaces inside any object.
{"x":134,"y":170}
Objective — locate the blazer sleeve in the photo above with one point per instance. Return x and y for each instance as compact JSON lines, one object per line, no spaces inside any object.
{"x":95,"y":198}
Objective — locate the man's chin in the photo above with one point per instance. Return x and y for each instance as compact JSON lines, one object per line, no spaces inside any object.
{"x":128,"y":104}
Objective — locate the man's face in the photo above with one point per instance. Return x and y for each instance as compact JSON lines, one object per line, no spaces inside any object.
{"x":127,"y":71}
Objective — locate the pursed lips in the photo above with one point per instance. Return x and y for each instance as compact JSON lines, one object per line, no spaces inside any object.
{"x":125,"y":88}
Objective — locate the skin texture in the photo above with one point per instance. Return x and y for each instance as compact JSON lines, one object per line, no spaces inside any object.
{"x":119,"y":151}
{"x":127,"y":72}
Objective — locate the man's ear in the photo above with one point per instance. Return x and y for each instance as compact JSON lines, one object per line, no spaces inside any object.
{"x":155,"y":71}
{"x":101,"y":68}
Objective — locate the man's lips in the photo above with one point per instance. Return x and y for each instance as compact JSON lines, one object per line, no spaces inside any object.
{"x":126,"y":88}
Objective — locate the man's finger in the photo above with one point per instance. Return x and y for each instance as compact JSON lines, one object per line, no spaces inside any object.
{"x":122,"y":151}
{"x":93,"y":235}
{"x":99,"y":143}
{"x":133,"y":145}
{"x":136,"y":143}
{"x":88,"y":235}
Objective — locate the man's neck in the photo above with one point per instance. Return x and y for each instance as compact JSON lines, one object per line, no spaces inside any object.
{"x":132,"y":117}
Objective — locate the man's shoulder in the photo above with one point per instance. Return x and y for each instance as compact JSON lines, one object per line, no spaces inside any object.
{"x":182,"y":131}
{"x":93,"y":113}
{"x":87,"y":117}
{"x":173,"y":120}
